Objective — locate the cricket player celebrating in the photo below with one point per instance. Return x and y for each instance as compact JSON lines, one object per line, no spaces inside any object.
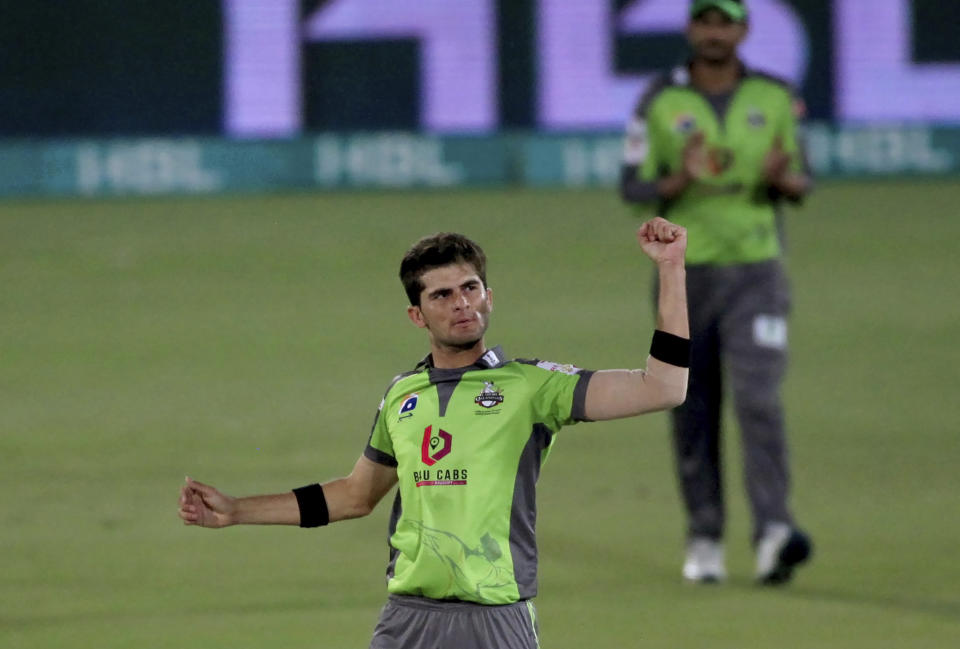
{"x":464,"y":434}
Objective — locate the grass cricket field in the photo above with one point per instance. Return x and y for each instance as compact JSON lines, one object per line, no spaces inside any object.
{"x":247,"y":340}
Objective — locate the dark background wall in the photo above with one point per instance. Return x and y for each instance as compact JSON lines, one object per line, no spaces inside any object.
{"x":97,"y":66}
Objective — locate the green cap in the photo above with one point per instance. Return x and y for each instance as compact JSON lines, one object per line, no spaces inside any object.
{"x":734,"y":9}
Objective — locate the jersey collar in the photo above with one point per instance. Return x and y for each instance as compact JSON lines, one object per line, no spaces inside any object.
{"x":680,"y":75}
{"x":490,"y":359}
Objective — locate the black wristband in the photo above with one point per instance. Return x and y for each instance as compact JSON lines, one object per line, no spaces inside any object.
{"x":313,"y":506}
{"x":670,"y":349}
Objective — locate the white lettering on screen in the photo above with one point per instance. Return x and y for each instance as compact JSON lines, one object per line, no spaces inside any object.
{"x":876,"y":150}
{"x":150,"y":166}
{"x":385,"y":159}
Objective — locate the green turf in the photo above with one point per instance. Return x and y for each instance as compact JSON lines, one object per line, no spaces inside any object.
{"x":246,"y":341}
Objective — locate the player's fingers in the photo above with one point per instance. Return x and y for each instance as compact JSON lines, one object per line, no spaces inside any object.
{"x":656,"y":226}
{"x":677,"y":232}
{"x":193,"y":497}
{"x":642,"y":232}
{"x":653,"y":234}
{"x":200,"y":488}
{"x":665,"y":231}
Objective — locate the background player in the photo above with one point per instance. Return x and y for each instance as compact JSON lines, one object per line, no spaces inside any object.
{"x":714,"y":146}
{"x":465,"y":434}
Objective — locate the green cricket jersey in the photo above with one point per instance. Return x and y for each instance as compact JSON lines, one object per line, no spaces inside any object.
{"x":730,"y":214}
{"x":468,"y":444}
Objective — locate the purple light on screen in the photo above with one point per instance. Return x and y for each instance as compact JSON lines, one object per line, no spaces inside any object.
{"x":578,"y":85}
{"x":262,"y":68}
{"x":578,"y":88}
{"x":875,"y":77}
{"x":457,"y":41}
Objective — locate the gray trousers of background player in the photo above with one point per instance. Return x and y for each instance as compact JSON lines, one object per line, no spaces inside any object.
{"x":419,"y":623}
{"x":737,"y":318}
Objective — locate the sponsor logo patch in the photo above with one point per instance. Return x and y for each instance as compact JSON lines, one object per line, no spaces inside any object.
{"x":635,"y":145}
{"x":435,"y":447}
{"x":440,"y":477}
{"x":756,"y":119}
{"x":684,"y":123}
{"x":558,"y":367}
{"x":770,"y":331}
{"x":408,"y":406}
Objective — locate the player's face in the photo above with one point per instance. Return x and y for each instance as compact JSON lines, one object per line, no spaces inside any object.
{"x":714,"y":37}
{"x":454,"y":306}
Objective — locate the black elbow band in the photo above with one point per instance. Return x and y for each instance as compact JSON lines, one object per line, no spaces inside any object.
{"x":670,"y":349}
{"x":313,"y":506}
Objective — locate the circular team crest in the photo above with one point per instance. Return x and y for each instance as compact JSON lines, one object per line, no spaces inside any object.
{"x":490,"y":396}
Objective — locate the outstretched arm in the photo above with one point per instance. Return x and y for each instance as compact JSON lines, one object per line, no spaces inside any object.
{"x":351,"y":497}
{"x":612,"y":394}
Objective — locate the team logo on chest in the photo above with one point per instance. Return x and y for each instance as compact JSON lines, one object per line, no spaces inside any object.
{"x":490,"y":396}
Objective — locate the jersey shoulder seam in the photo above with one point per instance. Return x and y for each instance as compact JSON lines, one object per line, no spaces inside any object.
{"x":779,"y":82}
{"x":525,"y":361}
{"x":660,"y":83}
{"x":398,"y":378}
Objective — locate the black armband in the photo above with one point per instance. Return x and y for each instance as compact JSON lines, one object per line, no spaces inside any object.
{"x":313,"y":506}
{"x":670,"y":349}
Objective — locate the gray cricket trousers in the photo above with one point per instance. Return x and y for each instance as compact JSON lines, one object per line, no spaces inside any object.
{"x":419,"y":623}
{"x":738,"y":334}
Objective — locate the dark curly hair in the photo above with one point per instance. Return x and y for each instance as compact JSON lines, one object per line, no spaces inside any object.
{"x":441,"y":249}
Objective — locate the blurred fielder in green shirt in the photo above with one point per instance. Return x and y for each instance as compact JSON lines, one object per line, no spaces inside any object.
{"x":714,"y":147}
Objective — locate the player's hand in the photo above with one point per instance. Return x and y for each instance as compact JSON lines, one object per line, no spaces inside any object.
{"x":695,"y":156}
{"x":204,"y":506}
{"x":776,"y":163}
{"x":664,"y":242}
